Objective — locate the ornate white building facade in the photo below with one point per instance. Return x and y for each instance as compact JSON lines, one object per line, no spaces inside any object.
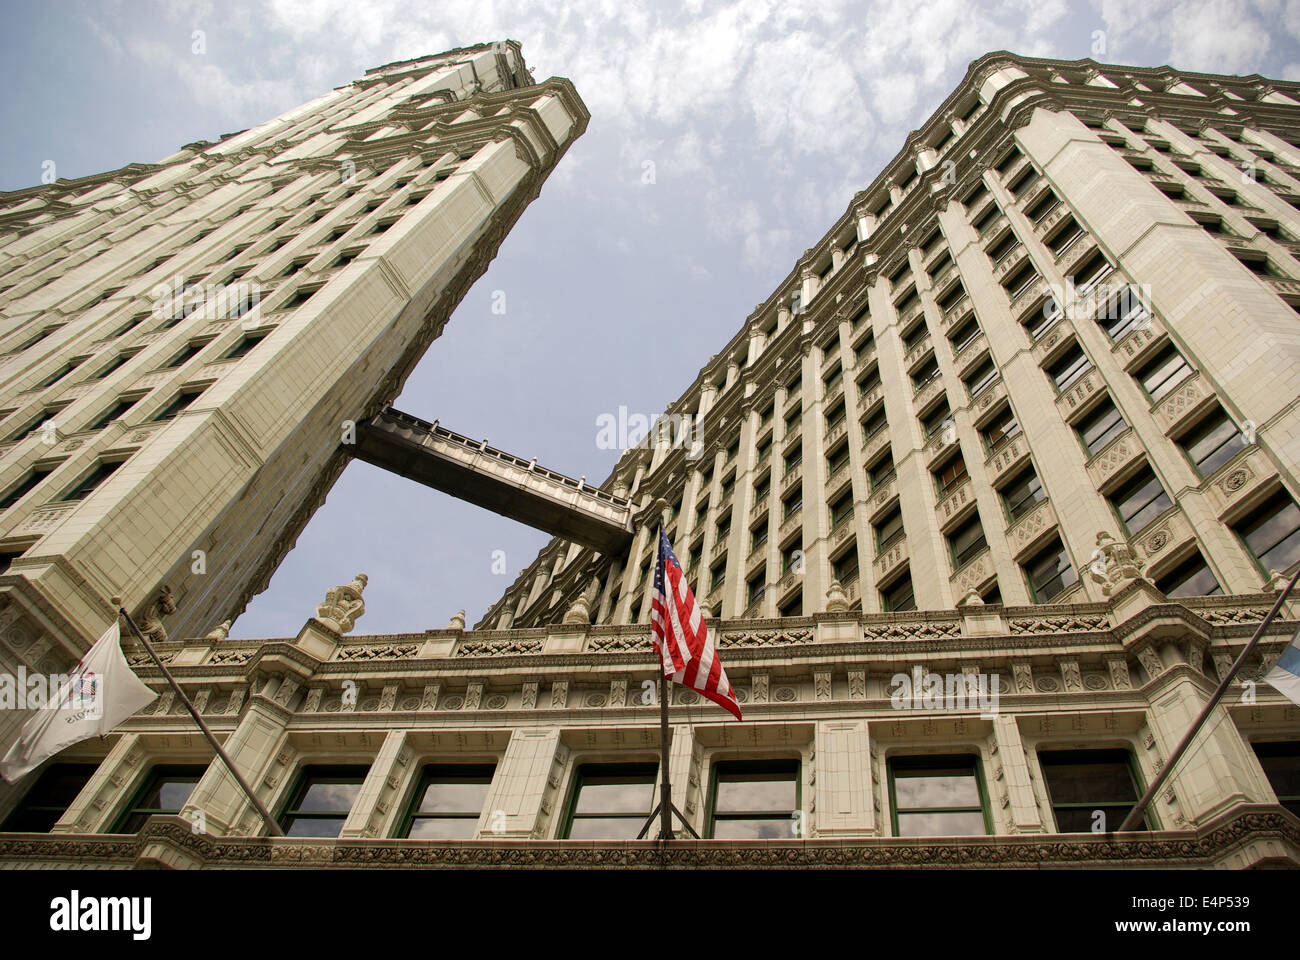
{"x":987,"y":496}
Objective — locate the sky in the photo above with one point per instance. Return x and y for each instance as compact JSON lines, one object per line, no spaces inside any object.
{"x":725,"y":139}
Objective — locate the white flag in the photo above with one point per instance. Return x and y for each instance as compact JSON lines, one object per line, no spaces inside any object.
{"x":98,"y":695}
{"x":1285,"y":675}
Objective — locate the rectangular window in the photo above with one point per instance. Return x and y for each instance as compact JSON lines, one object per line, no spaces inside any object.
{"x":874,"y":424}
{"x":164,"y":791}
{"x":928,"y":372}
{"x":835,"y":417}
{"x":1162,"y":374}
{"x":86,"y":486}
{"x":1212,"y":442}
{"x":833,"y":379}
{"x":845,"y":567}
{"x":1272,"y":532}
{"x":1090,"y":791}
{"x":889,"y":530}
{"x":1003,"y":428}
{"x":447,"y":802}
{"x":937,"y":797}
{"x":756,"y":588}
{"x":25,"y":486}
{"x":1139,"y":500}
{"x":982,"y":378}
{"x":964,"y":336}
{"x":610,"y":801}
{"x":791,"y":505}
{"x":1049,"y":573}
{"x":718,"y":574}
{"x":793,"y":458}
{"x":1066,"y":371}
{"x":321,"y":800}
{"x":49,"y":798}
{"x":1099,"y":427}
{"x":966,"y":541}
{"x":791,"y":556}
{"x":951,"y":475}
{"x":1191,"y":578}
{"x":758,"y":535}
{"x":838,"y":460}
{"x":1281,"y":763}
{"x":177,"y":406}
{"x":191,"y":350}
{"x":754,"y":800}
{"x":246,"y":343}
{"x":882,"y":472}
{"x":842,"y":509}
{"x":898,"y":596}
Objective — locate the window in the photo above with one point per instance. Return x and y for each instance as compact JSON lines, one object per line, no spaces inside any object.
{"x":190,"y":351}
{"x":1272,"y":532}
{"x":987,"y":218}
{"x":874,"y":424}
{"x":791,"y":557}
{"x":1049,"y":573}
{"x":1121,"y":312}
{"x":1281,"y":763}
{"x":951,"y":475}
{"x":881,"y":473}
{"x":964,"y":336}
{"x":114,"y":412}
{"x":756,"y":587}
{"x":915,"y":337}
{"x":1021,"y":493}
{"x":298,"y":298}
{"x":58,"y":374}
{"x":1212,"y":442}
{"x":1064,"y":237}
{"x":1090,"y":790}
{"x":793,"y":459}
{"x":86,"y":486}
{"x":1043,"y":206}
{"x":791,"y":505}
{"x":845,"y":566}
{"x":1000,"y":432}
{"x":321,"y":800}
{"x":933,"y":422}
{"x":793,"y":421}
{"x":929,"y":372}
{"x":447,"y":802}
{"x":1018,"y":284}
{"x":1163,"y":373}
{"x":49,"y":798}
{"x":1101,"y":426}
{"x":842,"y":509}
{"x":1191,"y":578}
{"x":864,"y":349}
{"x":763,"y":450}
{"x":1002,"y":249}
{"x":982,"y":377}
{"x":1139,"y":500}
{"x":120,"y":359}
{"x":165,"y":791}
{"x":937,"y":797}
{"x":1066,"y":371}
{"x":835,"y":417}
{"x":793,"y":607}
{"x":26,"y":485}
{"x":246,"y":343}
{"x":833,"y":379}
{"x":754,"y":800}
{"x":838,"y":460}
{"x":718,"y":574}
{"x":889,"y":530}
{"x":898,"y":596}
{"x":610,"y":801}
{"x":758,"y":535}
{"x":179,"y":404}
{"x":966,"y":541}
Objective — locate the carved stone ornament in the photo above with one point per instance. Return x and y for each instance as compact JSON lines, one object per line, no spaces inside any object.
{"x":1114,"y":563}
{"x":836,"y":600}
{"x":220,"y":633}
{"x":343,"y":605}
{"x":163,"y":604}
{"x":579,"y":612}
{"x":457,"y":622}
{"x":971,"y":599}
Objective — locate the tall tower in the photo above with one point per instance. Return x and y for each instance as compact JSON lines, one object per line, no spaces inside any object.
{"x":1073,"y":315}
{"x":185,"y":346}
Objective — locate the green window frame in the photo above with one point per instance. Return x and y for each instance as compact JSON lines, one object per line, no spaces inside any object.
{"x":899,"y":595}
{"x":1212,"y":442}
{"x":1271,"y":532}
{"x":305,"y":813}
{"x":1001,"y":431}
{"x":447,"y":801}
{"x":966,"y":541}
{"x":845,"y":567}
{"x":26,"y":485}
{"x":958,"y":797}
{"x":87,"y":485}
{"x":1021,"y":494}
{"x":1049,"y":572}
{"x":1163,"y":373}
{"x":754,"y":800}
{"x":1082,"y":783}
{"x":1100,"y":426}
{"x":48,"y":799}
{"x":889,"y":530}
{"x":1139,"y":500}
{"x":165,"y":790}
{"x":1067,"y":371}
{"x":1190,"y":578}
{"x":607,"y":813}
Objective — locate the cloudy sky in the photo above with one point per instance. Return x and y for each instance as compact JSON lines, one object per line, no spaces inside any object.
{"x":758,"y":120}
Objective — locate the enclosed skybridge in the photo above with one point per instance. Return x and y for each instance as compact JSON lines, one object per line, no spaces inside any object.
{"x":503,"y":483}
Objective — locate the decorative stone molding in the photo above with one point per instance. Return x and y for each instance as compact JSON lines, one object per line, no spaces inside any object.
{"x":343,"y":605}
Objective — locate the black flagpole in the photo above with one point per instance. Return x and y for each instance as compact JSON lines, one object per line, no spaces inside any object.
{"x":665,"y":788}
{"x":1135,"y":815}
{"x":272,"y":827}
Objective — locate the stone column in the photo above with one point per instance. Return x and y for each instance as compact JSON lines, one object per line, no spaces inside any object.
{"x":1008,"y":781}
{"x":525,"y":795}
{"x":378,"y":807}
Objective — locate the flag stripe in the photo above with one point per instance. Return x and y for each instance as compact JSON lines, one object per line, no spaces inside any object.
{"x":686,"y":650}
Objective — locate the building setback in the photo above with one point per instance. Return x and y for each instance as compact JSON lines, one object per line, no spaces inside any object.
{"x":984,"y":500}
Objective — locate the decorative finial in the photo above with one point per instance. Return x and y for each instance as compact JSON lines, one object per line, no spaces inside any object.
{"x":343,"y":605}
{"x":458,"y":621}
{"x":220,"y":633}
{"x":836,"y":600}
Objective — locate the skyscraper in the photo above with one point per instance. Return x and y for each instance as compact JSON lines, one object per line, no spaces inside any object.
{"x":984,"y":499}
{"x":185,"y":346}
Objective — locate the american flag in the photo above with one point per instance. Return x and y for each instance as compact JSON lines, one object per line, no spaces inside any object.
{"x":681,"y":636}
